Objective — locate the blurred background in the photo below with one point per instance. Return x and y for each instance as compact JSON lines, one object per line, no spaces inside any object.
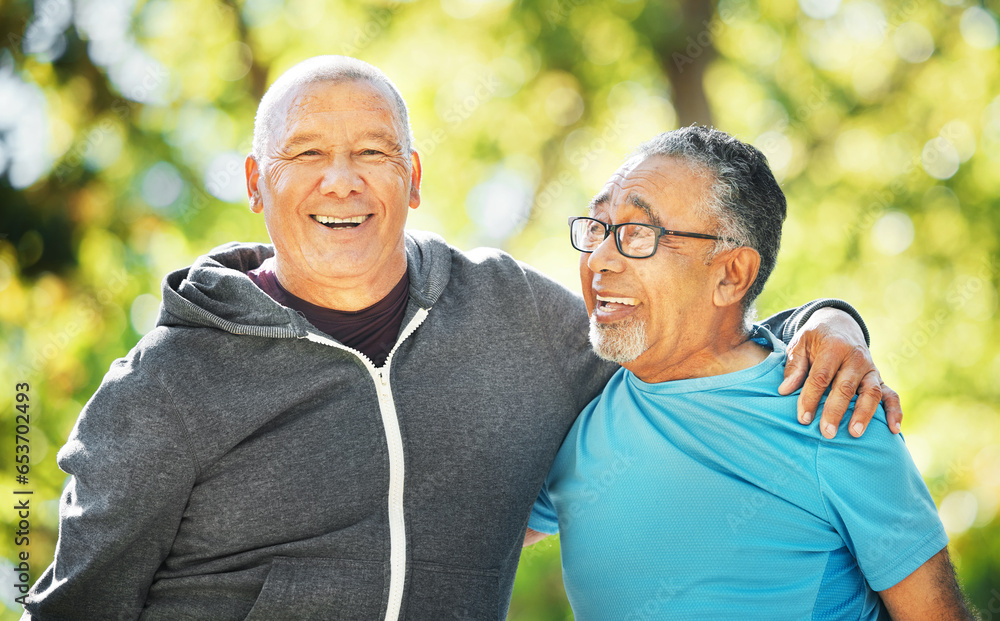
{"x":124,"y":125}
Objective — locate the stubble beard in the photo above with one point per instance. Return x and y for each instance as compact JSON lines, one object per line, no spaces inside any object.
{"x":622,"y":341}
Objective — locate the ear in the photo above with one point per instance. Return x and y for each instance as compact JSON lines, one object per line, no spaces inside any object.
{"x":415,"y":174}
{"x":253,"y":181}
{"x":739,"y":268}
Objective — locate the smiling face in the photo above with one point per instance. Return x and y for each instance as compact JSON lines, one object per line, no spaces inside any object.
{"x":334,"y":191}
{"x":649,"y":313}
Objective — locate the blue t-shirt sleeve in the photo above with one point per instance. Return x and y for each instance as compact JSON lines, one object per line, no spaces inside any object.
{"x":543,"y":514}
{"x":878,"y":503}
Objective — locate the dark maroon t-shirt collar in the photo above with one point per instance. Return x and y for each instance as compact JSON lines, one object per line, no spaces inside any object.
{"x":372,"y":331}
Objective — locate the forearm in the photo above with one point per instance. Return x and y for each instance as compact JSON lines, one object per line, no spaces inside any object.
{"x":787,"y":323}
{"x":531,"y":537}
{"x":929,"y":593}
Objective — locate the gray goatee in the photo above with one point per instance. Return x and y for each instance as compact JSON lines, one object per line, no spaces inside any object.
{"x":621,"y":342}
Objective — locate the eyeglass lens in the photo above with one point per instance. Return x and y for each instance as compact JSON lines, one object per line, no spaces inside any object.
{"x":634,"y":240}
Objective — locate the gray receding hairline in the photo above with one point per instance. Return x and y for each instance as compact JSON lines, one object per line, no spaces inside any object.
{"x":732,"y":234}
{"x":745,"y":204}
{"x":673,"y":145}
{"x":325,"y":69}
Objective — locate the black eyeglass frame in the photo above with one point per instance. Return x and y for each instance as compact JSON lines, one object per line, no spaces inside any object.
{"x":661,"y":232}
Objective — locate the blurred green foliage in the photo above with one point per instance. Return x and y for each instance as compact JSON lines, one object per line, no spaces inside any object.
{"x":123,"y":126}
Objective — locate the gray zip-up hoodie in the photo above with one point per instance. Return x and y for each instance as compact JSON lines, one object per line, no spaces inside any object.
{"x":240,"y":464}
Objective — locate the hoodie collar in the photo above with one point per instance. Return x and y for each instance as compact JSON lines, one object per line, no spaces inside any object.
{"x":216,"y":292}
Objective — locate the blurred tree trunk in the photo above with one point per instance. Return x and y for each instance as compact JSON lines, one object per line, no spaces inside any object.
{"x":684,"y":52}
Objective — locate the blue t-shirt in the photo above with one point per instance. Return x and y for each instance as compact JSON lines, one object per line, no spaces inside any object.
{"x":706,"y":499}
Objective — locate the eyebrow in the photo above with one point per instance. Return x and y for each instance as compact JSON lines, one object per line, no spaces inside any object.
{"x":598,"y":200}
{"x":633,"y":199}
{"x":300,"y":139}
{"x":383,"y":138}
{"x":638,"y":201}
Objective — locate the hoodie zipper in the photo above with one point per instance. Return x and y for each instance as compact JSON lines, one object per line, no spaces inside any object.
{"x":394,"y":441}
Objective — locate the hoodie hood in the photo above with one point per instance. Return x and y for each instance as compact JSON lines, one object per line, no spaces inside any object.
{"x":428,"y":264}
{"x":216,"y":292}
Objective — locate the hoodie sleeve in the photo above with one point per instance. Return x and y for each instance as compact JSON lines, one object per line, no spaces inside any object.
{"x":565,"y":326}
{"x":786,"y":323}
{"x":131,"y":474}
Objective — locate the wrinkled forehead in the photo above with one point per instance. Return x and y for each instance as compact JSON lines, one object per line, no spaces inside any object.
{"x":339,"y":96}
{"x":654,"y":185}
{"x":659,"y":190}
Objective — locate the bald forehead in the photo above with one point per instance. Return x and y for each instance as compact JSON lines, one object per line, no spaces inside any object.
{"x":273,"y":113}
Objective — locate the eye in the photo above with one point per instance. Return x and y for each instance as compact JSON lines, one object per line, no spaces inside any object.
{"x":595,"y":231}
{"x":309,"y":152}
{"x":371,"y":152}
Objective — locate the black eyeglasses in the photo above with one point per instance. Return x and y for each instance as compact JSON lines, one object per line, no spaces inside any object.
{"x":633,"y":239}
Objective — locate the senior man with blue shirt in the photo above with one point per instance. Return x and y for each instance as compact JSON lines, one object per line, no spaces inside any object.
{"x":686,"y":490}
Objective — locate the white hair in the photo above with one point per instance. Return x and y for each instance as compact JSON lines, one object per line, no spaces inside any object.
{"x":324,"y":69}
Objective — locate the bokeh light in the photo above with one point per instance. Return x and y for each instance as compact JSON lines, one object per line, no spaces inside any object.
{"x":979,"y":28}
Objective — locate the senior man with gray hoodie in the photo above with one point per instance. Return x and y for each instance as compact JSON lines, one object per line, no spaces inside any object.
{"x":351,"y":422}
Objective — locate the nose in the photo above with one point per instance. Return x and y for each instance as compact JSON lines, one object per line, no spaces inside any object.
{"x":340,"y":178}
{"x":606,"y":258}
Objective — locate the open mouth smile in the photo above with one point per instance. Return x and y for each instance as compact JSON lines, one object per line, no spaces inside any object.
{"x":340,"y":223}
{"x":611,"y":304}
{"x":611,"y":308}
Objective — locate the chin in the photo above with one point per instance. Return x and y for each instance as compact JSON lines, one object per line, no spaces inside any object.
{"x":620,"y":342}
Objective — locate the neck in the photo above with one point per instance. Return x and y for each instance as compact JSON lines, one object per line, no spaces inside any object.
{"x":721,"y":346}
{"x":342,"y":294}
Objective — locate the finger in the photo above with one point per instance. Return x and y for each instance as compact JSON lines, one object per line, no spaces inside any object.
{"x":852,"y":369}
{"x":796,"y":368}
{"x":893,"y":409}
{"x":869,"y":395}
{"x":816,"y":383}
{"x":842,"y":390}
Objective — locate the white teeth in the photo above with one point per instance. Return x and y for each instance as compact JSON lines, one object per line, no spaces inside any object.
{"x":330,"y":220}
{"x":626,"y":301}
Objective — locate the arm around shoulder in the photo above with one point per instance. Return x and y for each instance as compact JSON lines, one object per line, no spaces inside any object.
{"x":564,"y":324}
